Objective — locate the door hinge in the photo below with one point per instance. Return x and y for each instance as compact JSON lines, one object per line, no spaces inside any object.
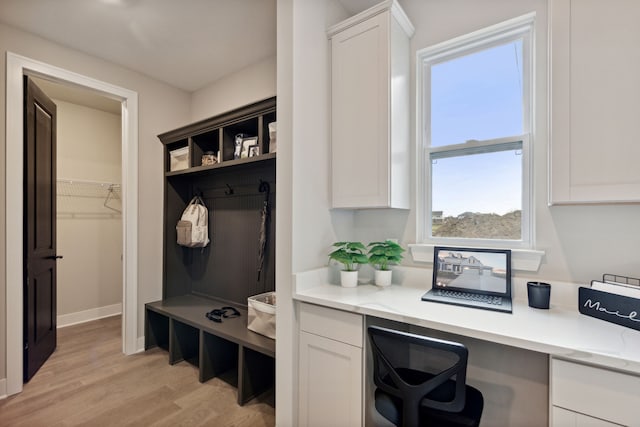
{"x":26,"y":346}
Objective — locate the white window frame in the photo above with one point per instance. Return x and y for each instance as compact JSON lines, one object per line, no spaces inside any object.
{"x":514,"y":29}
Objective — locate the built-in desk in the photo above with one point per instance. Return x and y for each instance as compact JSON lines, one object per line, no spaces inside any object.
{"x":560,"y":332}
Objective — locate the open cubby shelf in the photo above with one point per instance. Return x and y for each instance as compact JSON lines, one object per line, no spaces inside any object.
{"x":226,"y":164}
{"x":225,"y":272}
{"x":217,"y":135}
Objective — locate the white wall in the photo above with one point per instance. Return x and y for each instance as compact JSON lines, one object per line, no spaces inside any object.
{"x":285,"y":332}
{"x":89,"y":235}
{"x":161,"y":108}
{"x":314,"y":226}
{"x":581,"y":242}
{"x":305,"y":226}
{"x":88,"y":143}
{"x":251,"y":84}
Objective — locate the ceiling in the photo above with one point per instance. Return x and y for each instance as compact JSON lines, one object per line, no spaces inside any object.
{"x":187,"y":43}
{"x":78,"y":96}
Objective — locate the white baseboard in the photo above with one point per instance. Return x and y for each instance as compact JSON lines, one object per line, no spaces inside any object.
{"x":140,"y":345}
{"x":88,"y":315}
{"x":3,"y":388}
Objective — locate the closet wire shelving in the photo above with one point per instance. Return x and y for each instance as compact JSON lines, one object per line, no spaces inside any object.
{"x":80,"y":199}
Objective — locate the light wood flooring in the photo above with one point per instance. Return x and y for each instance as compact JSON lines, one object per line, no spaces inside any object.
{"x":88,"y":381}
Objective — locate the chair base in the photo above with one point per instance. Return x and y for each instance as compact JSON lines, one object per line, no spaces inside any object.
{"x":390,"y":408}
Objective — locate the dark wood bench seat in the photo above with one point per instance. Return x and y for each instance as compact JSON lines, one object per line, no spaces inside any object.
{"x":179,"y":325}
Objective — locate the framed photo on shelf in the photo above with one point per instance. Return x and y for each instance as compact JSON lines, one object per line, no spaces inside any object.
{"x":254,"y":150}
{"x":246,"y":143}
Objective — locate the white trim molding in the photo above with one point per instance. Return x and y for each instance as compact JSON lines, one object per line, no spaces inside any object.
{"x":520,"y":27}
{"x":17,"y":67}
{"x":140,"y":345}
{"x":83,"y":316}
{"x":383,"y":6}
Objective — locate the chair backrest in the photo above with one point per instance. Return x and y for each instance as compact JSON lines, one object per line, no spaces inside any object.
{"x":400,"y":357}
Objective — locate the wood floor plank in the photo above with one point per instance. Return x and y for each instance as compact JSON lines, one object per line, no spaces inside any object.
{"x":89,"y":382}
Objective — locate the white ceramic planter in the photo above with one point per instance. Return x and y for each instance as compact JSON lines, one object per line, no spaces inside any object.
{"x":349,"y":279}
{"x":383,"y":277}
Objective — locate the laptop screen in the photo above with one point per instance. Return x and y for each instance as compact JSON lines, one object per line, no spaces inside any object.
{"x":485,"y":271}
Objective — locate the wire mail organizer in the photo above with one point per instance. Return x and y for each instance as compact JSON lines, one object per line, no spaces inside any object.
{"x":621,"y":280}
{"x":88,"y":198}
{"x":609,"y":304}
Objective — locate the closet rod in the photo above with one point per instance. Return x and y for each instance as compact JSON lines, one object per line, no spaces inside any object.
{"x":88,"y":182}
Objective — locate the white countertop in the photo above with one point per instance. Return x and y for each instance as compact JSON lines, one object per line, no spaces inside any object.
{"x":559,"y":331}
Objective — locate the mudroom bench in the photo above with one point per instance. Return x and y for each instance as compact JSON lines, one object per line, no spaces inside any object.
{"x":227,"y":349}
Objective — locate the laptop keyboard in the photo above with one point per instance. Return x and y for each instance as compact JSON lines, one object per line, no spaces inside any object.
{"x":468,"y":296}
{"x":469,"y":299}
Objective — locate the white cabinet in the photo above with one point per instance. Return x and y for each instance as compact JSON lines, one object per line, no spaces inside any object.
{"x":370,"y":109}
{"x":564,"y":418}
{"x":330,"y":382}
{"x":330,"y":368}
{"x":594,"y":101}
{"x":583,"y":395}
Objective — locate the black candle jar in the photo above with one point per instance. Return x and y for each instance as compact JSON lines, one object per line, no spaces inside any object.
{"x":538,"y":294}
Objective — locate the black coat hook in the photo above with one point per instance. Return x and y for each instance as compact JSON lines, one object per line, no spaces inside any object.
{"x":264,"y":187}
{"x":229,"y":191}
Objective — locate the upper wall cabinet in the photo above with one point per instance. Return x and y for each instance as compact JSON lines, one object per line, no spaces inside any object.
{"x":595,"y":101}
{"x":370,"y":109}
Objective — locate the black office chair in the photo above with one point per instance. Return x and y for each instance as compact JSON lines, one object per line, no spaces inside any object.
{"x":410,"y":397}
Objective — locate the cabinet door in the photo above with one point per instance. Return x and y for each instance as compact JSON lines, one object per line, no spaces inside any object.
{"x":597,"y":392}
{"x":595,"y":101}
{"x":360,"y":114}
{"x":330,"y":383}
{"x":565,"y":418}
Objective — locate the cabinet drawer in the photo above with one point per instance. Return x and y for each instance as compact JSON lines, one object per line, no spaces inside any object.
{"x":597,"y":392}
{"x":565,"y":418}
{"x":330,"y":323}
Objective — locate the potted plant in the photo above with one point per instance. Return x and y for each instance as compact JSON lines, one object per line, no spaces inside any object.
{"x":381,"y":256}
{"x":349,"y":254}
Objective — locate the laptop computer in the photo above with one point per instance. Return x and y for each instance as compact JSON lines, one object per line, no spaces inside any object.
{"x":478,"y":278}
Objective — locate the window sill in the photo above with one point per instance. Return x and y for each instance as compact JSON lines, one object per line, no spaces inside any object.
{"x":521,"y":259}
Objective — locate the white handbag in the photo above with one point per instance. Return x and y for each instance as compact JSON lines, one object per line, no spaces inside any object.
{"x":193,"y":228}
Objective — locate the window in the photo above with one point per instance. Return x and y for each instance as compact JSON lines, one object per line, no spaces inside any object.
{"x":475,"y":107}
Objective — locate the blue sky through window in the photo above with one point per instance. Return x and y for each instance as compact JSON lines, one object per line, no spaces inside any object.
{"x":478,"y":96}
{"x":485,"y":183}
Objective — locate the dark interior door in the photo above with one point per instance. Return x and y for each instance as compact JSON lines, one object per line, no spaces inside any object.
{"x":39,"y":228}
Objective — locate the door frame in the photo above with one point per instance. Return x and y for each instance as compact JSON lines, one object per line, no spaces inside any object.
{"x":17,"y":66}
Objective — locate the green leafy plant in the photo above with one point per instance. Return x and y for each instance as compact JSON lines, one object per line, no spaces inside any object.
{"x":350,"y":254}
{"x":383,"y":254}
